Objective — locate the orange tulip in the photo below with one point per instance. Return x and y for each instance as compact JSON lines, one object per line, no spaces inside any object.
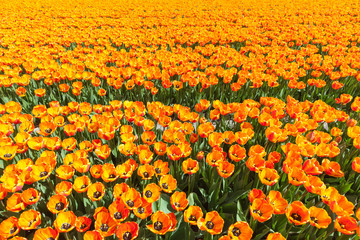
{"x":297,"y":213}
{"x":65,"y":221}
{"x":240,"y":230}
{"x":213,"y":223}
{"x":261,"y":210}
{"x":319,"y":217}
{"x":162,"y":223}
{"x":127,"y":231}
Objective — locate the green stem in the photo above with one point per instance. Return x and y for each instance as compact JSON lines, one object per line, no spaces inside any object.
{"x":288,"y":232}
{"x":50,"y":184}
{"x":3,"y":205}
{"x":329,"y":234}
{"x":189,"y":185}
{"x":67,"y":236}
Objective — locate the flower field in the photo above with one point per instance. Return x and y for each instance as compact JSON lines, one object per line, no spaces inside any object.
{"x":169,"y":120}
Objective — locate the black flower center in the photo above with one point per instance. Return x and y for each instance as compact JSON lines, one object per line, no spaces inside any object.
{"x":141,"y":210}
{"x":65,"y":226}
{"x":127,"y":236}
{"x":146,"y":174}
{"x":112,"y":176}
{"x":60,"y":206}
{"x":43,"y":174}
{"x":296,"y":216}
{"x":117,"y":215}
{"x":7,"y":155}
{"x":158,"y":226}
{"x":31,"y":222}
{"x":130,"y":203}
{"x":258,"y":212}
{"x":158,"y":170}
{"x":83,"y":226}
{"x":236,"y":232}
{"x":209,"y":225}
{"x":148,"y":194}
{"x":192,"y":218}
{"x":48,"y":130}
{"x":13,"y":230}
{"x":97,"y":194}
{"x":165,"y":186}
{"x":83,"y":186}
{"x":314,"y":219}
{"x":104,"y":227}
{"x":177,"y":204}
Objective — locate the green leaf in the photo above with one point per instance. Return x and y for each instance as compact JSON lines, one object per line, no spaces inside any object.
{"x":262,"y":234}
{"x":345,"y":188}
{"x":240,"y":216}
{"x":237,"y":195}
{"x":194,"y":200}
{"x":164,"y":204}
{"x":183,"y":231}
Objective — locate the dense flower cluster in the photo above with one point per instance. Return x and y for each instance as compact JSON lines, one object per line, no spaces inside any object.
{"x":202,"y":120}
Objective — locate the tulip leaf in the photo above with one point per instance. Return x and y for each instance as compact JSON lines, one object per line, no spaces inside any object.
{"x":194,"y":200}
{"x":183,"y":231}
{"x":262,"y":234}
{"x":237,"y":195}
{"x":164,"y":204}
{"x":344,"y":188}
{"x":240,"y":216}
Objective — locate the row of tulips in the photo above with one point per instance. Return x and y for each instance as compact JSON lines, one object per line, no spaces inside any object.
{"x":160,"y":59}
{"x":135,"y":163}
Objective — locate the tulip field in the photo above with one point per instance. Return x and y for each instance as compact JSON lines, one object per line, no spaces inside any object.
{"x":179,"y":120}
